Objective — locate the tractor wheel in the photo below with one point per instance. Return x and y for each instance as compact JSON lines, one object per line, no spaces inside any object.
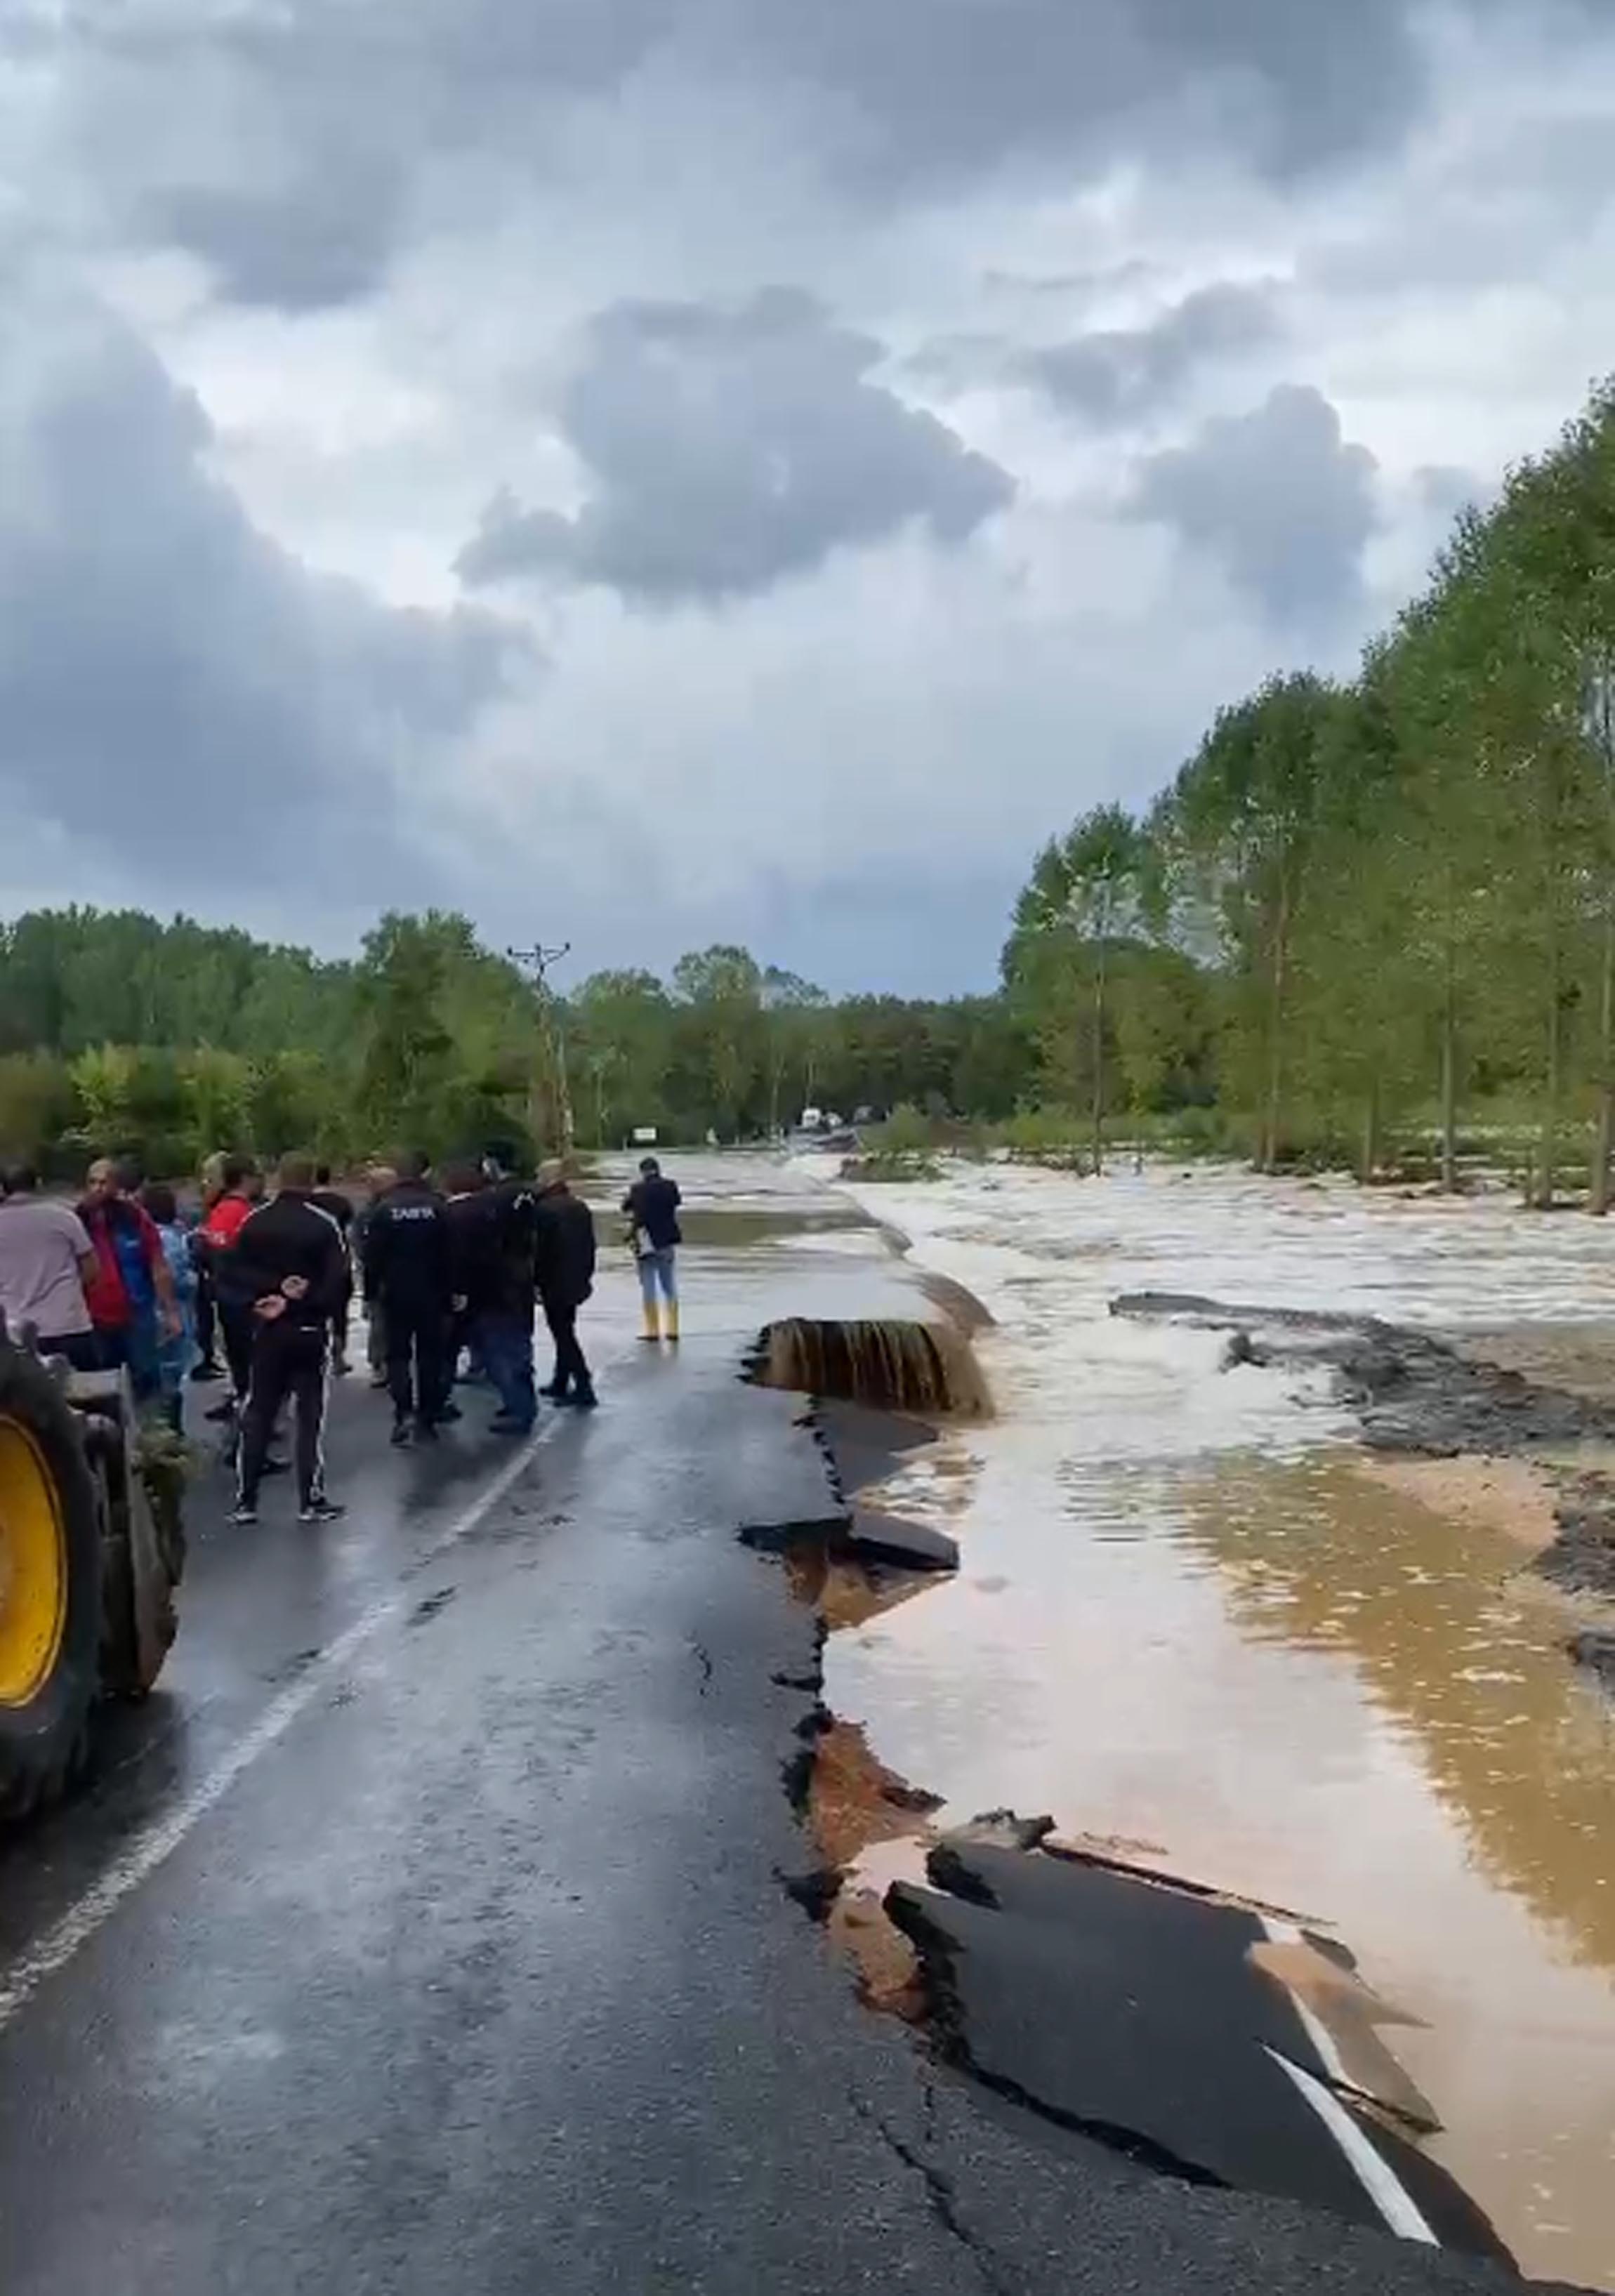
{"x":139,"y":1570}
{"x":50,"y":1586}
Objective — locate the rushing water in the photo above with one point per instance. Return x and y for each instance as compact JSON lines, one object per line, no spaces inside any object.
{"x":1185,"y":1619}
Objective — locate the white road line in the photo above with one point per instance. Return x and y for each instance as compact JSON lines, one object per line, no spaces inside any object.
{"x":156,"y":1843}
{"x":1322,"y":2039}
{"x":1370,"y":2167}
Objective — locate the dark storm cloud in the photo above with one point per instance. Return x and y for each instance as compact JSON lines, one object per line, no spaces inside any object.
{"x":176,"y":689}
{"x":283,"y":141}
{"x":1277,"y":497}
{"x":944,"y":88}
{"x":726,"y":449}
{"x":1116,"y":375}
{"x":321,"y":239}
{"x":896,"y":98}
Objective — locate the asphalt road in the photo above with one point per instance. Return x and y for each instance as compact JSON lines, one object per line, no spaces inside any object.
{"x":429,"y":1929}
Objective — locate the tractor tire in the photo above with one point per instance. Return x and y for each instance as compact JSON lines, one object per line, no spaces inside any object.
{"x":139,"y":1567}
{"x":117,"y":1666}
{"x":50,"y":1587}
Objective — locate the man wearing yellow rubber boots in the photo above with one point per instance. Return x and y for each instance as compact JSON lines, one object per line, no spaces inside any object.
{"x":652,"y":1203}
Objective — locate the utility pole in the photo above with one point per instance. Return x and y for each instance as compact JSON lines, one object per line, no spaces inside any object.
{"x":535,"y":964}
{"x":601,"y":1065}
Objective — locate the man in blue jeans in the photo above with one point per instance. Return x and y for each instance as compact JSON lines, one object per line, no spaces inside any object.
{"x":651,"y":1205}
{"x":491,"y":1256}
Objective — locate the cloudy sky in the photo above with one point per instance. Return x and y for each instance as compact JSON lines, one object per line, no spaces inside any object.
{"x":651,"y":472}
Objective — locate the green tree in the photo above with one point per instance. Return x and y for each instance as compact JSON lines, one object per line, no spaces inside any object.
{"x":792,"y":1008}
{"x":621,"y":1024}
{"x":721,"y":990}
{"x":36,"y":1104}
{"x":1089,"y":892}
{"x":1244,"y":815}
{"x":216,"y":1089}
{"x":406,"y":1058}
{"x":103,"y":1084}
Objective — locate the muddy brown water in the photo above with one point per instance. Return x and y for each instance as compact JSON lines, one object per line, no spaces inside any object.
{"x":1185,"y":1618}
{"x":1491,"y":1915}
{"x":1307,"y":1690}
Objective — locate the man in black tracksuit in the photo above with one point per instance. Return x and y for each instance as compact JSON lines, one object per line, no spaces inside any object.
{"x":564,"y":1268}
{"x":408,"y":1268}
{"x":287,"y":1270}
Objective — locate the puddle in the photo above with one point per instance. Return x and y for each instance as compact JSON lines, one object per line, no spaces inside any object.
{"x":1186,"y":1617}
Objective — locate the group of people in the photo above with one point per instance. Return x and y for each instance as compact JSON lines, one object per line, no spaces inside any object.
{"x":107,"y":1283}
{"x":449,"y":1269}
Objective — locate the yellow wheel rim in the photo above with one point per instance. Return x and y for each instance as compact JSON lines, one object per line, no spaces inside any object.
{"x":33,"y":1567}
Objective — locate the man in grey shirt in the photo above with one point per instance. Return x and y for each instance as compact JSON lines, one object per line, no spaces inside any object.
{"x":45,"y":1260}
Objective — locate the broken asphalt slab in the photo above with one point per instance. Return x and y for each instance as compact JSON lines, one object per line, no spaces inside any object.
{"x":886,"y":1537}
{"x":1409,"y":1390}
{"x":1135,"y":2015}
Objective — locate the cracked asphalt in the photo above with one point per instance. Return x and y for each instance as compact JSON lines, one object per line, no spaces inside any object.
{"x":430,"y":1928}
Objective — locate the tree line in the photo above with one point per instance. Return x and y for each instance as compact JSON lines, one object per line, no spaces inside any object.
{"x":122,"y":1034}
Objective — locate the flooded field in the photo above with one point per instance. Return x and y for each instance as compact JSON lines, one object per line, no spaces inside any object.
{"x":1188,"y":1620}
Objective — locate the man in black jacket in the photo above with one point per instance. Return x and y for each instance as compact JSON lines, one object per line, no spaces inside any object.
{"x":382,"y":1180}
{"x":564,"y":1269}
{"x":406,"y":1269}
{"x":502,"y":1311}
{"x":336,"y":1206}
{"x":466,"y":1208}
{"x":490,"y":1229}
{"x":651,"y":1205}
{"x":287,"y":1270}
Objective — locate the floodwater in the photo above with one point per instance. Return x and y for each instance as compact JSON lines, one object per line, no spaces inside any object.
{"x":1186,"y":1620}
{"x":762,"y":1238}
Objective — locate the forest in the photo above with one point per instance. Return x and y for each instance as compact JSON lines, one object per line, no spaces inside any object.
{"x":1369,"y":923}
{"x":163,"y":1041}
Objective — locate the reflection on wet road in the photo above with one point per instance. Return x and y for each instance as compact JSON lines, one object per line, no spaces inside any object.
{"x":1184,"y":1616}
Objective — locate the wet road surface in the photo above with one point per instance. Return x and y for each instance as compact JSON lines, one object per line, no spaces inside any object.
{"x":428,"y":1928}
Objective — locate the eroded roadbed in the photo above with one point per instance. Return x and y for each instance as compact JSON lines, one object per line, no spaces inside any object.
{"x":1156,"y":2019}
{"x":479,"y":1971}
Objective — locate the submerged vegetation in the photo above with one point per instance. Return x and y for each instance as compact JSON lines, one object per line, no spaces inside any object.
{"x":1369,"y":925}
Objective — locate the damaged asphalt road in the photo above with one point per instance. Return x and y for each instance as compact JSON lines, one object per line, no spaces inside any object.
{"x":1107,"y":2001}
{"x":430,"y":1929}
{"x":1410,"y":1392}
